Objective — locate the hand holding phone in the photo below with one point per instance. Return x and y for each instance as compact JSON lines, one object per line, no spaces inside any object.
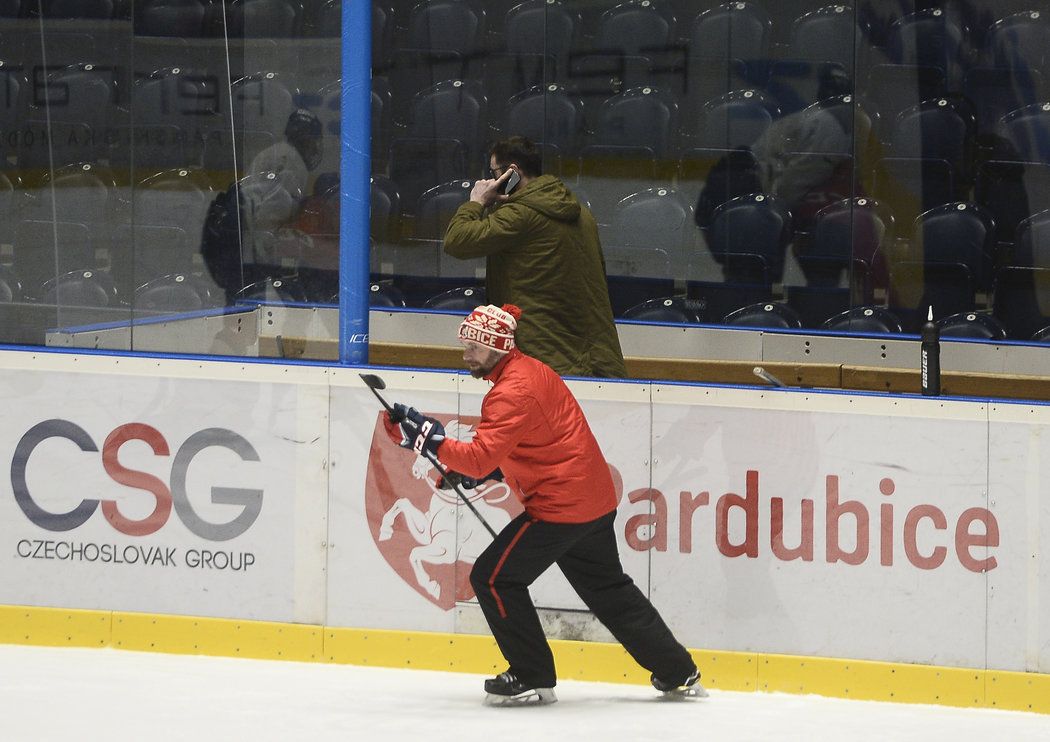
{"x":512,"y":182}
{"x":488,"y":192}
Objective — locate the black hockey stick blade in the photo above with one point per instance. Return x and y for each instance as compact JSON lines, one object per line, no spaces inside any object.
{"x":375,"y":383}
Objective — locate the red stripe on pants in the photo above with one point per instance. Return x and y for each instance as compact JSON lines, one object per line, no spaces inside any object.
{"x":499,"y":565}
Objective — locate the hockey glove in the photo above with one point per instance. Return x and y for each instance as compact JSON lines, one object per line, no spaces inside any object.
{"x":409,"y":428}
{"x":396,"y":431}
{"x":429,"y":436}
{"x":452,"y":479}
{"x":402,"y":425}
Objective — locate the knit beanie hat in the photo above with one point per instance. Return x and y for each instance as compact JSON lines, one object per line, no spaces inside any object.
{"x":492,"y":326}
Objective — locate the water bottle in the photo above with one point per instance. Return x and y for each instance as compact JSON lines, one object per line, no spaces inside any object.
{"x":931,"y":357}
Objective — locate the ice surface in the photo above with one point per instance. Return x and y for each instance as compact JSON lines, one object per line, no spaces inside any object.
{"x":112,"y":695}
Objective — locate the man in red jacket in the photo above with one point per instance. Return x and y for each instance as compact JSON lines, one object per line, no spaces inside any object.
{"x":533,"y":433}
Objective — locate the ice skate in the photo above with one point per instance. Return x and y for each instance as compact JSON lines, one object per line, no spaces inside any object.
{"x":507,"y":690}
{"x":688,"y":688}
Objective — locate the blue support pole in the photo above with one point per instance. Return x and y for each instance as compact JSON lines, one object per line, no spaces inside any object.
{"x":355,"y":173}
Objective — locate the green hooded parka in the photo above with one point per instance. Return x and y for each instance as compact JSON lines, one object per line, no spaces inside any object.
{"x":543,"y":254}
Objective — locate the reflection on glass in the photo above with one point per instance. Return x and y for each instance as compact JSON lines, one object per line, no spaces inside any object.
{"x":165,"y":161}
{"x":822,"y":156}
{"x":850,"y":163}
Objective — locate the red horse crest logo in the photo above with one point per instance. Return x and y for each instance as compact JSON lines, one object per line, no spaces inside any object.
{"x":426,"y":534}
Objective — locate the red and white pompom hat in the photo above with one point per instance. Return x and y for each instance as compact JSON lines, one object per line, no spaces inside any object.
{"x":491,"y":326}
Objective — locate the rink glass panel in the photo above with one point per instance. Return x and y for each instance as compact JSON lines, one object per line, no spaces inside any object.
{"x":805,"y":156}
{"x":154,"y":165}
{"x":799,"y":158}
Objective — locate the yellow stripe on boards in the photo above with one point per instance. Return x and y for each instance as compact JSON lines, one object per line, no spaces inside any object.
{"x":411,"y":649}
{"x":871,"y":681}
{"x":54,"y":627}
{"x":591,"y":661}
{"x":217,"y":636}
{"x":1018,"y":691}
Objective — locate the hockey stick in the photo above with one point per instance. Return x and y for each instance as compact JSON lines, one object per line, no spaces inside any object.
{"x":763,"y":374}
{"x":375,"y":383}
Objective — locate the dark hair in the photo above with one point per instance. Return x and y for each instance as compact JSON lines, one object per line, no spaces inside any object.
{"x":522,"y":152}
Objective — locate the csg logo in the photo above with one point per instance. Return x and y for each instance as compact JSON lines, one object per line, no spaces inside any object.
{"x":250,"y":500}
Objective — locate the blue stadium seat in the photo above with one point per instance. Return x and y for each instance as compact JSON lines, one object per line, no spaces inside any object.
{"x":461,"y":299}
{"x":957,"y":233}
{"x":1027,"y":131}
{"x":937,"y":129}
{"x":979,"y":325}
{"x":733,"y":30}
{"x":640,"y":118}
{"x":172,"y":293}
{"x":381,"y":294}
{"x":548,"y":116}
{"x":673,"y":309}
{"x":541,"y":27}
{"x":634,"y":28}
{"x":451,"y":111}
{"x":1018,"y":42}
{"x":447,"y":26}
{"x":436,"y":207}
{"x":80,"y":288}
{"x":829,"y":34}
{"x":930,"y":38}
{"x":719,"y":298}
{"x":770,"y":315}
{"x":734,"y":120}
{"x":852,"y":234}
{"x":864,"y":319}
{"x":656,"y":218}
{"x":756,"y":225}
{"x":1032,"y":246}
{"x":274,"y":290}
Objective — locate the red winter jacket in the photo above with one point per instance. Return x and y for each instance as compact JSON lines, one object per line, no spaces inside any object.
{"x":534,"y":430}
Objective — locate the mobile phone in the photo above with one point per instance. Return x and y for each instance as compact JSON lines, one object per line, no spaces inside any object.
{"x":512,"y":183}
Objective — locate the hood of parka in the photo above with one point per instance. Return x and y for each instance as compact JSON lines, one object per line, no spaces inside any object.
{"x":549,"y":196}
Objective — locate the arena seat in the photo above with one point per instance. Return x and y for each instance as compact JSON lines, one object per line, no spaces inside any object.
{"x":672,"y":309}
{"x":871,"y":319}
{"x":461,"y":299}
{"x":772,"y":315}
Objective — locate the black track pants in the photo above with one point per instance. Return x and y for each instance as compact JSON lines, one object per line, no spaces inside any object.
{"x":587,"y":556}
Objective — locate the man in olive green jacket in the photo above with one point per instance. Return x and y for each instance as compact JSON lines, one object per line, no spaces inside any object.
{"x":543,"y":255}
